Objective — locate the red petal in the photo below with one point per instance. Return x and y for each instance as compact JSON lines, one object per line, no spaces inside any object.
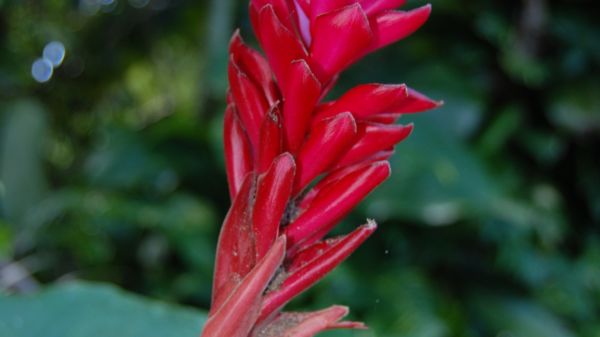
{"x":375,"y":6}
{"x":271,"y":139}
{"x":319,"y":7}
{"x":303,"y":257}
{"x":391,"y":26}
{"x":311,"y":271}
{"x":250,"y":101}
{"x":238,"y":314}
{"x":298,"y":107}
{"x":338,"y":173}
{"x":254,"y":65}
{"x":238,"y":152}
{"x":374,"y":138}
{"x":295,"y":324}
{"x":339,"y":37}
{"x":366,"y":100}
{"x":272,"y":196}
{"x":279,"y":43}
{"x":333,"y":203}
{"x":236,"y":254}
{"x":415,"y":102}
{"x":327,"y":142}
{"x":386,"y":118}
{"x":280,"y":8}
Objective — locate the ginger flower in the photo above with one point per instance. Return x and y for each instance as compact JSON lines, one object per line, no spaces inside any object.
{"x":297,"y":164}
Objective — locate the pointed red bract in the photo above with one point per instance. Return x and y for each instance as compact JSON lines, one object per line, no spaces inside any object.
{"x":385,"y":118}
{"x":415,"y":102}
{"x":326,"y":143}
{"x":391,"y":26}
{"x":298,"y":107}
{"x":271,"y":139}
{"x":238,"y":151}
{"x":254,"y":65}
{"x":281,"y":46}
{"x":367,"y":100}
{"x":375,"y":6}
{"x":280,"y":8}
{"x":314,"y":267}
{"x":340,"y":172}
{"x":272,"y":196}
{"x":237,"y":316}
{"x":250,"y":101}
{"x":295,"y":324}
{"x":372,"y":138}
{"x":334,"y":202}
{"x":236,"y":251}
{"x":322,"y":7}
{"x":339,"y":38}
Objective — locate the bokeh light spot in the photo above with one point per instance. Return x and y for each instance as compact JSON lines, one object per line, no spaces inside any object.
{"x":54,"y":52}
{"x":41,"y":70}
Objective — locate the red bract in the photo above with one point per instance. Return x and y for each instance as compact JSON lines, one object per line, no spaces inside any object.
{"x":280,"y":138}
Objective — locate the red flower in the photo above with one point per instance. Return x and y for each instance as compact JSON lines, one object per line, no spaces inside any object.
{"x":280,"y":137}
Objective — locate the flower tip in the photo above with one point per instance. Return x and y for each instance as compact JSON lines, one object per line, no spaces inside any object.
{"x":371,"y":225}
{"x":384,"y":165}
{"x":285,"y":160}
{"x":267,"y":7}
{"x":352,"y":325}
{"x":386,"y":168}
{"x":236,"y":36}
{"x":422,"y":14}
{"x":424,"y":10}
{"x":339,"y":311}
{"x":345,"y":118}
{"x":405,"y":90}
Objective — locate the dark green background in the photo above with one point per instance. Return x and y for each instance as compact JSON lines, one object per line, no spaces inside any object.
{"x":490,"y":225}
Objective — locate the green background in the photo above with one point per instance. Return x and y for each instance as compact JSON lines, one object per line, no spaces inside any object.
{"x":112,"y":172}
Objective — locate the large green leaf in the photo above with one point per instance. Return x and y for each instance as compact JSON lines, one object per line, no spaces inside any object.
{"x":79,"y":309}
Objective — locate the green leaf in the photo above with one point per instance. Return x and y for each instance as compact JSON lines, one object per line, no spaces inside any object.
{"x":519,"y":318}
{"x":78,"y":309}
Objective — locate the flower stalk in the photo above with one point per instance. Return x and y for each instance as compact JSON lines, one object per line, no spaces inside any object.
{"x":296,"y":164}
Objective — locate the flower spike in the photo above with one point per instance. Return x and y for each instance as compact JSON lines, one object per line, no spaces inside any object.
{"x":297,"y":165}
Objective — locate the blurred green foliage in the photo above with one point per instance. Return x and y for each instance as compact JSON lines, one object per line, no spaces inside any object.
{"x":490,"y":225}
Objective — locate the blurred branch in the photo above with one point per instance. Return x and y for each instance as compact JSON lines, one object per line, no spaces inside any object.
{"x":533,"y":20}
{"x":213,"y":76}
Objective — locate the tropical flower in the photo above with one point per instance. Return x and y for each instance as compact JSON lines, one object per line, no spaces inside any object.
{"x":296,"y":165}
